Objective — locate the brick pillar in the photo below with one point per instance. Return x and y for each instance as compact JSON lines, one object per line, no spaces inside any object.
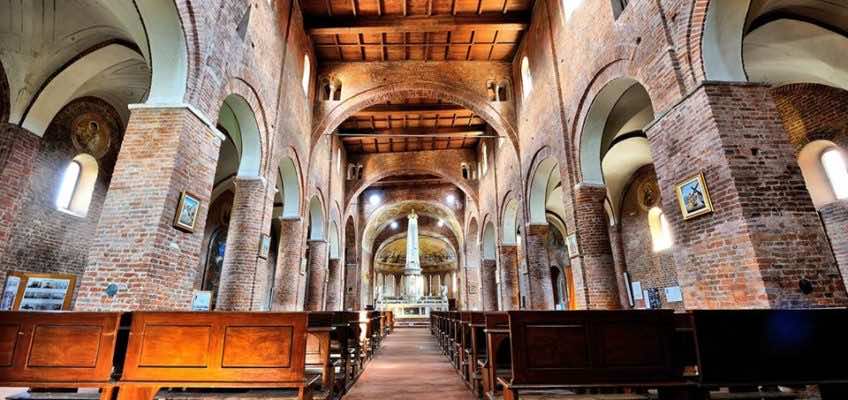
{"x":620,"y":263}
{"x":334,"y":284}
{"x":165,"y":151}
{"x":289,"y":257}
{"x":541,"y":296}
{"x":835,"y":219}
{"x":509,"y":277}
{"x":488,"y":286}
{"x":316,"y":270}
{"x":241,"y":268}
{"x":599,"y":287}
{"x":351,"y":284}
{"x":18,"y":150}
{"x":765,"y":235}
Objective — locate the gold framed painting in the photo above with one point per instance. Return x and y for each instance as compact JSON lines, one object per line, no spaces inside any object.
{"x":38,"y":292}
{"x":187,"y":210}
{"x":693,"y":196}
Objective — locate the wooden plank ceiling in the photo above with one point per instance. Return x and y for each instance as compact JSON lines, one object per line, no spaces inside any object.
{"x":397,"y":30}
{"x":411,"y":125}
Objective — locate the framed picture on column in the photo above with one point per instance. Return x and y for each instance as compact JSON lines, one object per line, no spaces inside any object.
{"x":264,"y":247}
{"x":187,"y":210}
{"x":694,"y":197}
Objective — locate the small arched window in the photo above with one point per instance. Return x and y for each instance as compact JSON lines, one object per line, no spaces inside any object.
{"x":526,"y":77}
{"x":307,"y":69}
{"x":660,"y":229}
{"x":77,"y":185}
{"x":466,"y":174}
{"x":485,"y":167}
{"x":836,"y":170}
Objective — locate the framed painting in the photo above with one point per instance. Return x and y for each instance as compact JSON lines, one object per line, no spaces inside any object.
{"x":694,"y":197}
{"x":187,"y":210}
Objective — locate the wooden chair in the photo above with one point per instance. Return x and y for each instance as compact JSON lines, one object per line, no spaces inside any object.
{"x":220,"y":350}
{"x":60,"y":350}
{"x":555,"y":353}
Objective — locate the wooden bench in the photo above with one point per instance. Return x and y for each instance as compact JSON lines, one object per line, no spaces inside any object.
{"x":477,"y":351}
{"x":557,"y":353}
{"x":318,"y":360}
{"x":497,"y":361}
{"x":52,"y":350}
{"x":743,"y":350}
{"x":220,"y":350}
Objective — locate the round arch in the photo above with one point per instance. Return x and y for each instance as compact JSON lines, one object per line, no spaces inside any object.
{"x":815,"y":176}
{"x":538,"y":189}
{"x":290,"y":178}
{"x":5,"y":95}
{"x":238,"y":118}
{"x":167,"y":48}
{"x":333,"y":239}
{"x":316,"y":218}
{"x":477,"y":103}
{"x":489,"y":242}
{"x":370,"y":179}
{"x":510,"y":223}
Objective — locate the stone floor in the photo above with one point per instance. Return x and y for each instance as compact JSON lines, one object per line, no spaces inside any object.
{"x":409,"y":366}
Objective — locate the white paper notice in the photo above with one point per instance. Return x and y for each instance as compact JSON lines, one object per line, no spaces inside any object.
{"x":645,"y":296}
{"x":673,"y":294}
{"x":637,"y":290}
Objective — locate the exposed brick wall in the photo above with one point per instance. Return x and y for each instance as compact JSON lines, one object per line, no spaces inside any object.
{"x":765,"y":235}
{"x":164,"y":152}
{"x":835,"y":217}
{"x":812,"y":112}
{"x":18,"y":154}
{"x":45,"y":239}
{"x":288,"y":274}
{"x":596,"y":263}
{"x":316,"y":271}
{"x":488,"y":286}
{"x":509,"y":277}
{"x":541,"y":296}
{"x":652,"y":269}
{"x":334,"y":284}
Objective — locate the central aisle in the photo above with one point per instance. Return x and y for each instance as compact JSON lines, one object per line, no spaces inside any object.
{"x":409,"y":366}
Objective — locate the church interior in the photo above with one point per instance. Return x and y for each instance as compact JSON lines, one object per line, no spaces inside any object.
{"x":434,"y":199}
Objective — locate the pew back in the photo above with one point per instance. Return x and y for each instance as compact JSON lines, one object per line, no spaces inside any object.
{"x":779,"y":346}
{"x":587,"y":348}
{"x":227,"y":349}
{"x":49,"y":347}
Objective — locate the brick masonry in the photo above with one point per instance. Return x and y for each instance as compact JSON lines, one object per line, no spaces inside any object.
{"x":288,"y":274}
{"x":488,"y":286}
{"x":509,"y":277}
{"x":316,"y":272}
{"x":334,"y":284}
{"x":541,"y":296}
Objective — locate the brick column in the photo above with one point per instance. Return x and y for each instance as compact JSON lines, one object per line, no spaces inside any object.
{"x":595,"y":262}
{"x":765,"y":235}
{"x":351,"y":273}
{"x":165,"y":151}
{"x":541,"y":296}
{"x":488,"y":286}
{"x":620,"y":264}
{"x":289,"y":257}
{"x":509,"y":277}
{"x":242,"y":266}
{"x":835,"y":218}
{"x":334,"y":284}
{"x":18,"y":150}
{"x":316,"y":269}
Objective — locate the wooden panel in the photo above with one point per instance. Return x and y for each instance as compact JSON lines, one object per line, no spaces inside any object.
{"x":50,"y":346}
{"x":257,"y":346}
{"x":175,"y":346}
{"x":585,"y":348}
{"x":61,"y":347}
{"x":227,"y":349}
{"x":8,"y":338}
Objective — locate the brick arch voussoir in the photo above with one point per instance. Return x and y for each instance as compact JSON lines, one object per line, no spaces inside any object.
{"x":245,"y":90}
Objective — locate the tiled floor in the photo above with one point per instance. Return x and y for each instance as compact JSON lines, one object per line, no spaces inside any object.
{"x":409,"y":366}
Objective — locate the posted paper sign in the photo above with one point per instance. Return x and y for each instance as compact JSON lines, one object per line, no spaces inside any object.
{"x":673,"y":294}
{"x":637,"y":291}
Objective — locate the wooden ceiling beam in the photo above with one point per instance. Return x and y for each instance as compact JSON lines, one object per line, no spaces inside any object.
{"x":382,"y":110}
{"x":442,"y":23}
{"x":471,"y":131}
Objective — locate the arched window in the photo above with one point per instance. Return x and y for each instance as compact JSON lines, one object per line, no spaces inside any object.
{"x":77,"y":185}
{"x":466,"y":174}
{"x":339,"y":160}
{"x":660,"y":229}
{"x":485,"y":160}
{"x":526,"y":77}
{"x":307,"y":69}
{"x":836,"y":170}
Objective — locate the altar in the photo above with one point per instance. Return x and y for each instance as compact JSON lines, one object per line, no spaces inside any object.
{"x":409,"y":308}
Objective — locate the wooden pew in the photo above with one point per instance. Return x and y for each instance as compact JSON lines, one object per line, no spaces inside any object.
{"x":464,"y":345}
{"x":745,"y":349}
{"x":478,"y":351}
{"x":217,"y":350}
{"x":54,"y":350}
{"x":497,"y":361}
{"x":342,"y":341}
{"x":319,"y":332}
{"x":557,"y":352}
